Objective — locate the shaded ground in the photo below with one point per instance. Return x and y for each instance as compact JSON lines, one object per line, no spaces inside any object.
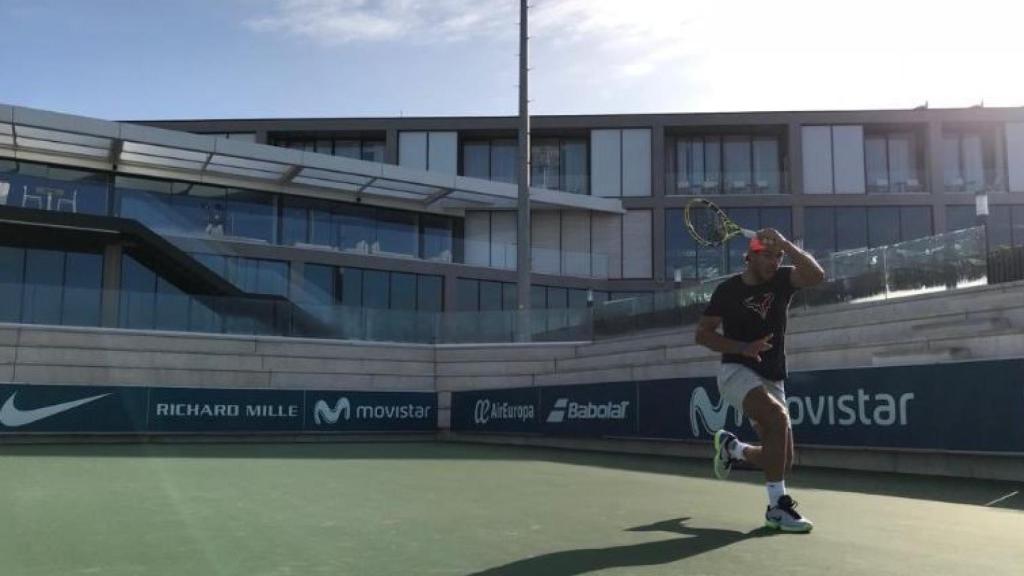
{"x":428,"y":508}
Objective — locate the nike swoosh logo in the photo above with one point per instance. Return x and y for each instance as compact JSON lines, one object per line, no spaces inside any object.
{"x":12,"y":417}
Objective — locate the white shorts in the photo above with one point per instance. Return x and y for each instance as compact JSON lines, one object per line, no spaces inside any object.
{"x":735,"y":381}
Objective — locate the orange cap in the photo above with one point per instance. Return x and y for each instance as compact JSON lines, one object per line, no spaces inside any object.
{"x":756,"y":245}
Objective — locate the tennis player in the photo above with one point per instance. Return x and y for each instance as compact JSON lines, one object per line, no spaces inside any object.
{"x":752,"y":308}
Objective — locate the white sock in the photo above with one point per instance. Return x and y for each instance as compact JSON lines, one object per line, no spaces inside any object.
{"x":775,"y":491}
{"x":736,"y":449}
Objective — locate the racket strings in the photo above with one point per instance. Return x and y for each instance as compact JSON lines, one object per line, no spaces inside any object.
{"x":708,"y":224}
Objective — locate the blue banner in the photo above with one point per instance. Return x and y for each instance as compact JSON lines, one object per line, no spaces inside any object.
{"x":215,"y":410}
{"x":111,"y":409}
{"x":967,"y":406}
{"x":345,"y":411}
{"x":507,"y":410}
{"x":686,"y":409}
{"x":29,"y":408}
{"x":607,"y":409}
{"x":976,"y":406}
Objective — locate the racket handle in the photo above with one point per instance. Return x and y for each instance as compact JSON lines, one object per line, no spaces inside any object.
{"x":748,"y":233}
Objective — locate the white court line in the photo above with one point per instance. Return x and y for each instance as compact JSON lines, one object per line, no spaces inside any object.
{"x":998,"y":500}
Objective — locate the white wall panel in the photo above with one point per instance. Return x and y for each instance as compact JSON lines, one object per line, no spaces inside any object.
{"x":636,"y":162}
{"x":848,"y":159}
{"x":636,"y":244}
{"x":412,"y":150}
{"x":817,"y":159}
{"x":606,"y":163}
{"x":545,"y":230}
{"x":1015,"y":156}
{"x":478,"y":238}
{"x":503,"y":240}
{"x":576,"y":243}
{"x":442,"y":151}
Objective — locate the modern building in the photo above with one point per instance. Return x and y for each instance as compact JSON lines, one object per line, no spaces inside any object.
{"x":364,"y":222}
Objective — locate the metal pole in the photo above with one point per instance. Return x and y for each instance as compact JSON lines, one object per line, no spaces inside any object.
{"x":981,"y":218}
{"x":523,"y":208}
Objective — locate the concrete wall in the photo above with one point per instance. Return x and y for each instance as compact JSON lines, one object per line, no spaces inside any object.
{"x":971,"y":324}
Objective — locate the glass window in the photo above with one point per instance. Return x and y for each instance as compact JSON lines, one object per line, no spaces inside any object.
{"x":903,"y":171}
{"x":376,"y":289}
{"x":876,"y":163}
{"x":819,"y":230}
{"x":58,"y":189}
{"x":509,"y":296}
{"x":504,"y":166}
{"x":545,"y":165}
{"x":138,"y":294}
{"x":322,"y":231}
{"x":577,"y":298}
{"x":490,"y":295}
{"x":915,"y":222}
{"x":960,"y":217}
{"x":403,"y":291}
{"x":172,"y":307}
{"x":251,"y":214}
{"x":538,"y":297}
{"x":999,"y":229}
{"x":354,"y":227}
{"x":348,"y":149}
{"x":435,"y":238}
{"x":737,"y":164}
{"x":712,"y":183}
{"x":851,"y":228}
{"x":197,"y":209}
{"x":295,"y":222}
{"x":430,"y":293}
{"x":476,"y":159}
{"x":352,"y":287}
{"x":373,"y":151}
{"x":574,"y":167}
{"x":12,"y":270}
{"x":467,"y":294}
{"x":680,"y":248}
{"x":396,"y":232}
{"x":147,"y":201}
{"x":82,"y":289}
{"x":44,"y":277}
{"x":951,"y":174}
{"x":883,"y":226}
{"x":767,"y":171}
{"x":1017,"y":224}
{"x":558,"y":298}
{"x":318,"y":284}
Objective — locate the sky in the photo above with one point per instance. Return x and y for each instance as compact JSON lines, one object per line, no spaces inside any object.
{"x":185,"y":59}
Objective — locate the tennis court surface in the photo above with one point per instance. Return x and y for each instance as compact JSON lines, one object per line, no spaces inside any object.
{"x":445,"y":508}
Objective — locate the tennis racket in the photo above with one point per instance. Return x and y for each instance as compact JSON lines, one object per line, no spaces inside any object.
{"x":709,"y":225}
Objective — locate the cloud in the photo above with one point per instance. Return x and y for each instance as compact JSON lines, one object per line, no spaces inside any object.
{"x":337,"y":22}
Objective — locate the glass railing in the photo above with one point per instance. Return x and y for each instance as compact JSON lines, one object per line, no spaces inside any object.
{"x":944,"y":262}
{"x":935,"y":263}
{"x":543,"y":260}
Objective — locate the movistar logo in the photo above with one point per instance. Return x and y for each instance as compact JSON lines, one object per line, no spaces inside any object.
{"x":322,"y":412}
{"x":12,"y":417}
{"x":484,"y":411}
{"x":711,"y":416}
{"x":564,"y":409}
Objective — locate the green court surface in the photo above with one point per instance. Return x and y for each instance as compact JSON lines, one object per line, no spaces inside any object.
{"x":435,"y":508}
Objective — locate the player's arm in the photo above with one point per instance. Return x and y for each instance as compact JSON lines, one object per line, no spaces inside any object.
{"x":707,"y":335}
{"x":806,"y":270}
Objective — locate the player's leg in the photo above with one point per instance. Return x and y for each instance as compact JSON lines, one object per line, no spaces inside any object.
{"x":774,"y":427}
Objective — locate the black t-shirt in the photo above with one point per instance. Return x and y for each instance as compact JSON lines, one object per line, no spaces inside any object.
{"x":752,"y":312}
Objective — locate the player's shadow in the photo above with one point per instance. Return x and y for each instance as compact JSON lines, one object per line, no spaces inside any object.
{"x":570,"y":562}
